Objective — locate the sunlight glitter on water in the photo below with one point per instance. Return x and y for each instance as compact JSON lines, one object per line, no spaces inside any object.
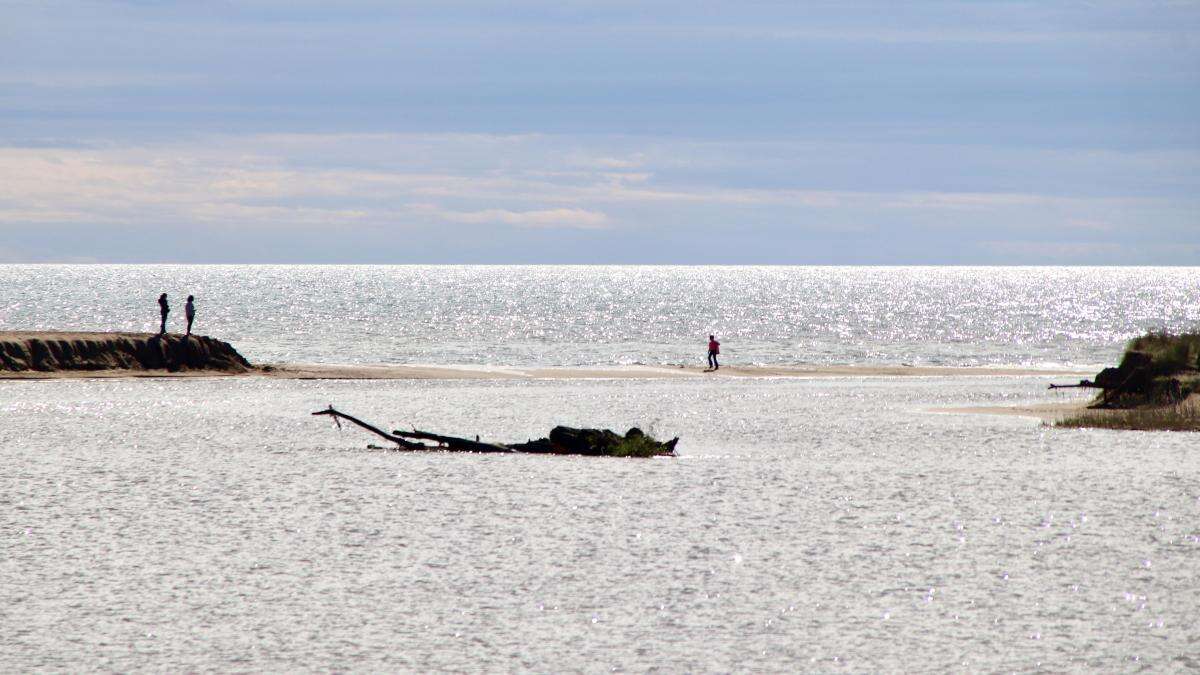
{"x":212,"y":524}
{"x":837,"y":500}
{"x":564,"y":315}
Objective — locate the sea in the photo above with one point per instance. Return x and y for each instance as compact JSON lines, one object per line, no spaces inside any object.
{"x":811,"y":524}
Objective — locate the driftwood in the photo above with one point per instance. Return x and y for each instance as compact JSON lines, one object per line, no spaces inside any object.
{"x":371,"y":428}
{"x":452,"y":442}
{"x":1082,"y":383}
{"x":1108,"y":389}
{"x":561,"y":441}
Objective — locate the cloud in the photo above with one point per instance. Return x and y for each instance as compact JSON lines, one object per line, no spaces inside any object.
{"x":617,"y":163}
{"x":1088,"y":224}
{"x":95,"y":79}
{"x":975,"y":201}
{"x":961,"y":34}
{"x":276,"y":216}
{"x":574,"y":219}
{"x":446,"y":185}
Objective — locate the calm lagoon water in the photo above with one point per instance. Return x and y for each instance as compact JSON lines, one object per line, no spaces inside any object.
{"x":810,"y":524}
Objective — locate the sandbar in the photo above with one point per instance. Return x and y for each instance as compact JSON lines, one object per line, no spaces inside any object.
{"x":1047,"y":412}
{"x":435,"y":372}
{"x":40,"y":355}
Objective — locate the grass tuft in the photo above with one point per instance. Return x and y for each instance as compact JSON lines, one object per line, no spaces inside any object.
{"x":1168,"y":353}
{"x":1183,"y":416}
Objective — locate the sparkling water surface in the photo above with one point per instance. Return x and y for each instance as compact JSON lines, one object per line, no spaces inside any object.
{"x":212,"y":524}
{"x":604,"y":315}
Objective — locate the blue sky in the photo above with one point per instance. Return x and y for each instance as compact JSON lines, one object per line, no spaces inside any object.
{"x":984,"y":132}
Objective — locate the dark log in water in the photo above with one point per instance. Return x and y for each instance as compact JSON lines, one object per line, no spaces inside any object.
{"x":561,"y":441}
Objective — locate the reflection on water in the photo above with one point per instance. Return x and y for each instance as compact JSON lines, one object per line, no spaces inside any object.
{"x":558,"y":315}
{"x":809,"y":525}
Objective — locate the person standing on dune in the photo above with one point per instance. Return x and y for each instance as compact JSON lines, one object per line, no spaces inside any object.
{"x":163,"y":309}
{"x":714,"y":348}
{"x":189,"y":311}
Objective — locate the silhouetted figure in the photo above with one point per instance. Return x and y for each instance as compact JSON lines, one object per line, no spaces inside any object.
{"x":163,"y":309}
{"x":714,"y":348}
{"x":189,"y":310}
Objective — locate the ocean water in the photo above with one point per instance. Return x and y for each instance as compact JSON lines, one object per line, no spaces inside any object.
{"x":579,"y":315}
{"x":810,"y":524}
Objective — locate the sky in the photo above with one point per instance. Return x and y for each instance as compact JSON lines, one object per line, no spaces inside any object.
{"x":528,"y":131}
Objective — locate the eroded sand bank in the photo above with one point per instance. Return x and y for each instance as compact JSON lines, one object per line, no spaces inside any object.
{"x":47,"y":354}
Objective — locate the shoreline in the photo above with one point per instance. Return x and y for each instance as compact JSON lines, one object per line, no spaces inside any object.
{"x":55,"y":355}
{"x":1077,"y":414}
{"x":449,"y":372}
{"x":303,"y":371}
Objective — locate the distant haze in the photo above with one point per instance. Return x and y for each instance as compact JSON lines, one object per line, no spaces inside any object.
{"x":931,"y":131}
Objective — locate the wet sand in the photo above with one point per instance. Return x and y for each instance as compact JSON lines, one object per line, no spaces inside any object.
{"x":41,"y":355}
{"x":1047,"y":412}
{"x":424,"y":372}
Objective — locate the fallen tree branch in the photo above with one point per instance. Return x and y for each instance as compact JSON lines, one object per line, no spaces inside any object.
{"x":453,"y":442}
{"x":1082,"y":383}
{"x":407,"y":445}
{"x":561,"y":441}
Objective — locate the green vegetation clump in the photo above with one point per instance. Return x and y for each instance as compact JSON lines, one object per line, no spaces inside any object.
{"x":1156,"y":387}
{"x":636,"y":444}
{"x":1168,"y":353}
{"x":606,"y":442}
{"x":1157,"y":369}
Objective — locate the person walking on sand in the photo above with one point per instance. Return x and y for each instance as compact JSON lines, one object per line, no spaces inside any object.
{"x":189,"y":310}
{"x":163,"y":309}
{"x":714,"y":348}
